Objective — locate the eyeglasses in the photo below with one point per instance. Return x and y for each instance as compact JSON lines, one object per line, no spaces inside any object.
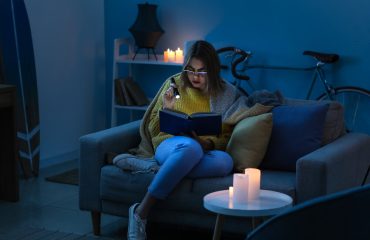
{"x":195,"y":73}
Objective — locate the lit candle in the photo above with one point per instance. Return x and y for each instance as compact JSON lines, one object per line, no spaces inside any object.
{"x":165,"y":55}
{"x":231,"y":203}
{"x":231,"y":197}
{"x":240,"y":191}
{"x":254,"y":177}
{"x":231,"y":192}
{"x":179,"y":55}
{"x":171,"y":56}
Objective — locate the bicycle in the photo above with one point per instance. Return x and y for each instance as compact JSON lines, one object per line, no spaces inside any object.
{"x":355,"y":100}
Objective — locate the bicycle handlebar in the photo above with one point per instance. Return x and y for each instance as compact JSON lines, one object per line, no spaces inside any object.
{"x":242,"y":56}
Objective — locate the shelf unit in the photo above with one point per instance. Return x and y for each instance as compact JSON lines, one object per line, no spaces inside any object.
{"x":118,"y":59}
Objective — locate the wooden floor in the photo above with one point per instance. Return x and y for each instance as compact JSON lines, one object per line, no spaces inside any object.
{"x":43,"y":234}
{"x":48,"y":210}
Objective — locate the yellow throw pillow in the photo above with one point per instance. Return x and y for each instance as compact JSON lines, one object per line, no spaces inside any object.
{"x":249,"y":141}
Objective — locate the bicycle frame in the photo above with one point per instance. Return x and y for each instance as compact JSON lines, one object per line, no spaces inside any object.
{"x":318,"y":73}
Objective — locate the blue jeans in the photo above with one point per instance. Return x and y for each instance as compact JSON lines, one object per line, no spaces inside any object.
{"x":182,"y":156}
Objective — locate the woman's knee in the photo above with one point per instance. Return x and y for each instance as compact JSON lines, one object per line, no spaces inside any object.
{"x":214,"y":164}
{"x":184,"y":147}
{"x":189,"y":148}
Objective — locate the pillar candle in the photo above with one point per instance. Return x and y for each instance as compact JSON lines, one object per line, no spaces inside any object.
{"x":254,"y":185}
{"x":171,"y":56}
{"x":179,"y":55}
{"x":240,"y":186}
{"x":165,"y":55}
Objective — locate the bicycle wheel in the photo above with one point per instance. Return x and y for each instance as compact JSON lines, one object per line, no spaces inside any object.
{"x":356,"y":103}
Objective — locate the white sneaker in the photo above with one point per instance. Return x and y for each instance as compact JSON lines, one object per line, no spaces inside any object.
{"x":136,"y":226}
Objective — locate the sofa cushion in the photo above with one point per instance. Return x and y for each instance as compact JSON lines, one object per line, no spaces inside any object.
{"x":334,"y":126}
{"x":249,"y":140}
{"x":127,"y":187}
{"x":297,"y":130}
{"x":334,"y":123}
{"x":123,"y":187}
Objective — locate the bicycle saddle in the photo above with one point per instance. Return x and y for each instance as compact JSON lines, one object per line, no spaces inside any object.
{"x":323,"y":57}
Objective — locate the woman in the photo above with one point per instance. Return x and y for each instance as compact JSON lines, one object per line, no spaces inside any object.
{"x":202,"y":90}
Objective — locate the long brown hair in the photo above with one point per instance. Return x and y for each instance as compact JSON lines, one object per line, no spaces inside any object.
{"x":205,"y":52}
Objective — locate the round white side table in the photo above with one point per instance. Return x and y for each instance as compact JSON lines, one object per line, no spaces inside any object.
{"x":268,"y":203}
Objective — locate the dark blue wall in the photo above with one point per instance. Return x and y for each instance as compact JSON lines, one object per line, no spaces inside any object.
{"x":276,"y":31}
{"x":68,"y":41}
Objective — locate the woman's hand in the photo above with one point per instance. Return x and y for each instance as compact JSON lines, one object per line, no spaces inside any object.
{"x":168,"y":98}
{"x":206,"y":144}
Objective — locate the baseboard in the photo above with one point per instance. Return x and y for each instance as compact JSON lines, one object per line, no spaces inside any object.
{"x":59,"y":159}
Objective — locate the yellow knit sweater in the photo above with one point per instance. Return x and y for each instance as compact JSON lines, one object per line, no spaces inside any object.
{"x":191,"y":101}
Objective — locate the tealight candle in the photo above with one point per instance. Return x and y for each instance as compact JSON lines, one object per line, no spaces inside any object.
{"x":165,"y":55}
{"x":254,"y":185}
{"x":231,"y":192}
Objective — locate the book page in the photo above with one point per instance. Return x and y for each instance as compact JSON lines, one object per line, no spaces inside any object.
{"x":203,"y":114}
{"x":176,"y":113}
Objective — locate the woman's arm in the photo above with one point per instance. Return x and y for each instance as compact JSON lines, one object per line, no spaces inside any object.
{"x":156,"y":135}
{"x":220,"y":142}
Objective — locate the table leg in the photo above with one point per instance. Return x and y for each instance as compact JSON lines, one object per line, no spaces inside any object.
{"x":256,"y":221}
{"x":218,"y":227}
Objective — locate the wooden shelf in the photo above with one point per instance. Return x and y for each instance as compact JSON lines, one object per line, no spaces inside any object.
{"x":143,"y":59}
{"x":123,"y":58}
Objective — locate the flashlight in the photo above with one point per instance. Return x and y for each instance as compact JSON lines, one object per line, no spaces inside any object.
{"x":175,"y":90}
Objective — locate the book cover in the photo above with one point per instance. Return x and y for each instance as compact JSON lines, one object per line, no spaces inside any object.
{"x":136,"y":93}
{"x":203,"y":123}
{"x":126,"y":94}
{"x":119,"y":96}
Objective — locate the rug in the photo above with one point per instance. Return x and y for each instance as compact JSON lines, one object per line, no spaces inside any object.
{"x":67,"y":177}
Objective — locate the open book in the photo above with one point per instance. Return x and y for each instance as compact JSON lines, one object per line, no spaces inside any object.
{"x":176,"y":122}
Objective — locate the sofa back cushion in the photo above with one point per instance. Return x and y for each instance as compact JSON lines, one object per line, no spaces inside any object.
{"x":334,"y":125}
{"x":297,"y":131}
{"x":249,"y":140}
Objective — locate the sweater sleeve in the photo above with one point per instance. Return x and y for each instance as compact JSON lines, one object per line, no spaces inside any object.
{"x":156,"y":135}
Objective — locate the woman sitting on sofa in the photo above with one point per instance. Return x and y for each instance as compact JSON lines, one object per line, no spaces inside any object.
{"x":202,"y":90}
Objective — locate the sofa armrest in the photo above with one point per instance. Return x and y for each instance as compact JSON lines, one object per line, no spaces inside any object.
{"x":336,"y":166}
{"x":93,"y":148}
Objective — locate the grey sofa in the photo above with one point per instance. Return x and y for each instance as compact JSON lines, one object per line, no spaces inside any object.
{"x":339,"y":164}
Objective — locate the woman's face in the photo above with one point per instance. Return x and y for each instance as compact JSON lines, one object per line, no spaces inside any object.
{"x":197,"y":74}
